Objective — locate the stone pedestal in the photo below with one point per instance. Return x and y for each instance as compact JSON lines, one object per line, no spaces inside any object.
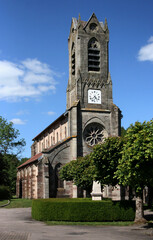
{"x":75,"y":191}
{"x":96,"y":191}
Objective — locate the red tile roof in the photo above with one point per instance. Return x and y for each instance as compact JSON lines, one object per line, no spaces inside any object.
{"x":33,"y":159}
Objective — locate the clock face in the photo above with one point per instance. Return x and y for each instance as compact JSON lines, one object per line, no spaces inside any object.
{"x":94,"y":96}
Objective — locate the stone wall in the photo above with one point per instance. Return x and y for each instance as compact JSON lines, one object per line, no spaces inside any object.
{"x":26,"y":185}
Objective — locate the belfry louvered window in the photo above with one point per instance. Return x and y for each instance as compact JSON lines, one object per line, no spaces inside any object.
{"x":73,"y":59}
{"x":93,"y":55}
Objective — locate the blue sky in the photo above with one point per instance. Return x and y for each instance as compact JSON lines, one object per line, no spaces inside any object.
{"x":34,"y":59}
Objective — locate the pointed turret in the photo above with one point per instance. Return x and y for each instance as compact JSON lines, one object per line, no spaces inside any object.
{"x":79,"y":22}
{"x":105,"y":25}
{"x":109,"y":80}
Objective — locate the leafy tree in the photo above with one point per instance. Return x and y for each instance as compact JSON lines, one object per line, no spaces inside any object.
{"x":105,"y":157}
{"x":8,"y":170}
{"x":10,"y":147}
{"x":12,"y":163}
{"x":100,"y":165}
{"x":81,"y":171}
{"x":67,"y":172}
{"x":9,"y":138}
{"x":123,"y":131}
{"x":23,"y":160}
{"x":136,"y":164}
{"x":3,"y":171}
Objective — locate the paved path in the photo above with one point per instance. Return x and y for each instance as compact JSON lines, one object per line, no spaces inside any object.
{"x":16,"y":224}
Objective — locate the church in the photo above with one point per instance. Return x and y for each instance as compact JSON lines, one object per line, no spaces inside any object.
{"x":90,"y":116}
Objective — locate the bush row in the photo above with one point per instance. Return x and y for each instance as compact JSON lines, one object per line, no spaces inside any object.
{"x":5,"y":192}
{"x":82,"y":210}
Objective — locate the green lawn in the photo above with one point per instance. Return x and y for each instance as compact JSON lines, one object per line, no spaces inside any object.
{"x":20,"y":203}
{"x":90,"y":223}
{"x":3,"y":202}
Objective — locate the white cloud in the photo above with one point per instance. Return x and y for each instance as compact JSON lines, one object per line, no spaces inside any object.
{"x":146,"y":52}
{"x":51,"y":113}
{"x":150,"y":39}
{"x":18,"y":121}
{"x":36,"y":66}
{"x":28,"y":79}
{"x":22,"y":112}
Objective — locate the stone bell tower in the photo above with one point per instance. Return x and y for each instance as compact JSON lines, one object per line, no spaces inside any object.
{"x":89,"y":89}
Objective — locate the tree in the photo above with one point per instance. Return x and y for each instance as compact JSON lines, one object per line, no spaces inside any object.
{"x":23,"y":160}
{"x":100,"y":165}
{"x":105,"y":157}
{"x":9,"y":141}
{"x":136,"y":164}
{"x":123,"y":131}
{"x":81,"y":171}
{"x":12,"y":164}
{"x":8,"y":170}
{"x":67,"y":171}
{"x":3,"y":171}
{"x":10,"y":147}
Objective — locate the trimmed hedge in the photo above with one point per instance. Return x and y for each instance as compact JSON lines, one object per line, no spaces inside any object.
{"x":82,"y":210}
{"x":5,"y":193}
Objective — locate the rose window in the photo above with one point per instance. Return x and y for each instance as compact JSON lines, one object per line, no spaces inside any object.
{"x":94,"y":133}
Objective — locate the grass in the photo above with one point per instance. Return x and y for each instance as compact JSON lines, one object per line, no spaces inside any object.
{"x":3,"y":202}
{"x":90,"y":223}
{"x":20,"y":203}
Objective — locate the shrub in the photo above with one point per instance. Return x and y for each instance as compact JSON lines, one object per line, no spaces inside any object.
{"x":82,"y":210}
{"x":5,"y":192}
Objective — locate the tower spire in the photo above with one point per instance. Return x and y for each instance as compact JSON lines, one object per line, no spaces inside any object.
{"x":79,"y":21}
{"x":105,"y":25}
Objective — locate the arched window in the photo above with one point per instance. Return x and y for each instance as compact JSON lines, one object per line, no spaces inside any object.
{"x":65,"y":133}
{"x":93,"y":55}
{"x":51,"y":140}
{"x":73,"y":58}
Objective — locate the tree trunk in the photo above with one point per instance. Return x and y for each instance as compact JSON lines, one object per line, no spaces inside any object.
{"x":139,"y":214}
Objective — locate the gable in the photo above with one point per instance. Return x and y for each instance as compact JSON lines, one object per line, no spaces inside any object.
{"x":93,"y":25}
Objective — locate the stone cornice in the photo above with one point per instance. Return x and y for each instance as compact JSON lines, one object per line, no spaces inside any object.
{"x":95,"y":110}
{"x":59,"y":144}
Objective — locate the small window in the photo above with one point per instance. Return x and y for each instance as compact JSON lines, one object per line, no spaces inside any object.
{"x":65,"y":133}
{"x":57,"y":136}
{"x":51,"y":140}
{"x":93,"y":55}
